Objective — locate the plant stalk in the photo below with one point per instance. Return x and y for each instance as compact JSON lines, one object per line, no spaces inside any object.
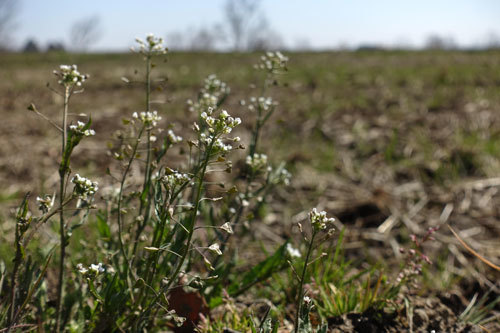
{"x":301,"y":285}
{"x":62,"y":228}
{"x":190,"y":234}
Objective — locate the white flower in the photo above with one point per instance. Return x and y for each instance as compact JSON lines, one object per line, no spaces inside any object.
{"x":92,"y":271}
{"x":280,"y":175}
{"x":148,"y":118}
{"x":174,"y":178}
{"x":81,"y":269}
{"x":45,"y":203}
{"x":70,"y":76}
{"x":173,"y":138}
{"x":319,"y":220}
{"x":84,"y":187}
{"x":152,"y":46}
{"x":273,"y":62}
{"x":218,"y":145}
{"x":223,"y":124}
{"x":257,"y":161}
{"x":97,"y":268}
{"x":261,"y":104}
{"x":79,"y":129}
{"x":211,"y":95}
{"x":292,"y":252}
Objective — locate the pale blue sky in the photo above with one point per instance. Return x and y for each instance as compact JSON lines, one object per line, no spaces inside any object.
{"x":324,"y":23}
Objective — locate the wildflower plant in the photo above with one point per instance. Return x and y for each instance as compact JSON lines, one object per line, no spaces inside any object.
{"x":319,"y":223}
{"x":165,"y":222}
{"x":212,"y":95}
{"x":69,"y":76}
{"x":273,"y":62}
{"x":151,"y":46}
{"x":415,"y":257}
{"x":71,"y":81}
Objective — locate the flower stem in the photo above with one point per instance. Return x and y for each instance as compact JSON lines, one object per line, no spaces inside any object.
{"x":301,"y":285}
{"x":120,"y":194}
{"x":62,"y":227}
{"x":145,"y":200}
{"x":190,"y":227}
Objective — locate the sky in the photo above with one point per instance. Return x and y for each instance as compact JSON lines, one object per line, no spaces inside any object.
{"x":321,"y":24}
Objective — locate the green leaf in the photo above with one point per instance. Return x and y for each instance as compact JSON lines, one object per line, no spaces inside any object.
{"x":102,"y":226}
{"x":260,"y":272}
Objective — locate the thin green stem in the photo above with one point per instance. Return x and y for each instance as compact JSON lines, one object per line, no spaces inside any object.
{"x":189,"y":237}
{"x":148,"y":81}
{"x":145,"y":203}
{"x":120,"y":194}
{"x":153,"y":259}
{"x":301,"y":284}
{"x":17,"y":262}
{"x":62,"y":227}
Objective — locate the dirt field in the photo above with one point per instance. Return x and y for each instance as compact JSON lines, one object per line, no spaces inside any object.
{"x":390,"y":143}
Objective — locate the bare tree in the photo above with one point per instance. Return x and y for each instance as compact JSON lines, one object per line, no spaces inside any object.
{"x":85,"y":32}
{"x":176,"y":41}
{"x":8,"y":12}
{"x":436,"y":42}
{"x":492,"y":41}
{"x":239,"y":15}
{"x":204,"y":39}
{"x":31,"y":46}
{"x":261,"y":37}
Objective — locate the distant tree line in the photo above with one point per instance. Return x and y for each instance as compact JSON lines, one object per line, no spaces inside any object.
{"x":83,"y":34}
{"x":244,"y":27}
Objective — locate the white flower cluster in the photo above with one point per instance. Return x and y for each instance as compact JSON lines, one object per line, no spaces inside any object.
{"x":204,"y":101}
{"x":261,"y":104}
{"x":215,"y":87}
{"x":218,"y":146}
{"x":70,"y":76}
{"x":172,"y":138}
{"x":273,"y":62}
{"x":152,"y":46}
{"x":45,"y":203}
{"x":281,"y":176}
{"x":319,"y":220}
{"x":79,"y":129}
{"x":92,"y":271}
{"x":111,"y":193}
{"x":257,"y":161}
{"x":175,"y":178}
{"x":210,"y":95}
{"x":148,"y":117}
{"x":223,"y":124}
{"x":84,"y":187}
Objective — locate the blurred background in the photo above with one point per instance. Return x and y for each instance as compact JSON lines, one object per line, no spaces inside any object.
{"x":388,"y":116}
{"x":243,"y":25}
